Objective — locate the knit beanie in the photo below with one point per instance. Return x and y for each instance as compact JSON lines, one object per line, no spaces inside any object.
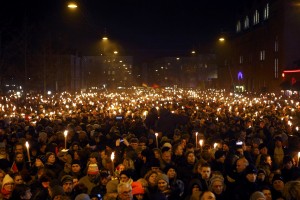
{"x":163,"y":177}
{"x":137,"y":188}
{"x":93,"y":169}
{"x":277,"y":177}
{"x":66,"y":178}
{"x":42,"y":158}
{"x":7,"y":179}
{"x":257,"y":196}
{"x":215,"y":178}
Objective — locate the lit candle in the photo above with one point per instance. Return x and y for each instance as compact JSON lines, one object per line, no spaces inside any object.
{"x":215,"y":145}
{"x":156,"y":135}
{"x":297,"y":128}
{"x":66,"y":134}
{"x":196,"y":139}
{"x":201,"y":143}
{"x":27,"y":147}
{"x":112,"y":157}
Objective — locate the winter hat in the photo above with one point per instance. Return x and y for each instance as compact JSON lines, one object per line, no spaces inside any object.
{"x":93,"y":169}
{"x":57,"y":190}
{"x":82,"y":197}
{"x":137,"y":188}
{"x":219,"y":154}
{"x":215,"y":178}
{"x":167,"y":144}
{"x":168,"y":167}
{"x":7,"y":179}
{"x":94,"y":155}
{"x":257,"y":196}
{"x":42,"y":158}
{"x":251,"y":169}
{"x":277,"y":177}
{"x":126,"y":173}
{"x":163,"y":177}
{"x":77,"y":162}
{"x":261,"y":171}
{"x":66,"y":178}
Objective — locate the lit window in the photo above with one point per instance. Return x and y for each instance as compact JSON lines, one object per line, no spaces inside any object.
{"x":276,"y":68}
{"x":246,"y":22}
{"x":276,"y":46}
{"x":262,"y":55}
{"x":238,"y":26}
{"x":241,"y":59}
{"x":266,"y":12}
{"x":256,"y":17}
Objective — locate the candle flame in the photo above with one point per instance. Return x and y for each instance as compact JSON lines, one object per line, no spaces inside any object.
{"x":201,"y":142}
{"x":65,"y":133}
{"x":156,"y":134}
{"x":27,"y":144}
{"x":112,"y":157}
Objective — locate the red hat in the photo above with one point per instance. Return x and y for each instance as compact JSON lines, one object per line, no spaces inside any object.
{"x":137,"y":188}
{"x":93,"y":169}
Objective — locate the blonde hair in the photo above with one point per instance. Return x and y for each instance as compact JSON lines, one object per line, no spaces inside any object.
{"x":291,"y":190}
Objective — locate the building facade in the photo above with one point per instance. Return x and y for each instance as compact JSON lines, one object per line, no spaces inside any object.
{"x":265,"y":43}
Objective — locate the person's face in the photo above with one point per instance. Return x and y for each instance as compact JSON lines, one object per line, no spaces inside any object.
{"x":162,"y":185}
{"x":278,"y":185}
{"x":93,"y":160}
{"x":19,"y":149}
{"x":75,"y":147}
{"x":68,"y":186}
{"x":167,"y":157}
{"x":139,"y":196}
{"x":288,"y":165}
{"x":76,"y":168}
{"x":38,"y":163}
{"x":251,"y":177}
{"x":264,"y":151}
{"x":125,"y":193}
{"x":195,"y":189}
{"x":267,"y":194}
{"x":19,"y":158}
{"x":104,"y":181}
{"x":123,"y":178}
{"x":255,"y":151}
{"x":9,"y":187}
{"x":217,"y":187}
{"x":261,"y":176}
{"x":157,"y":154}
{"x":208,"y":196}
{"x":225,"y":147}
{"x":18,"y":180}
{"x":191,"y":158}
{"x":75,"y":181}
{"x":153,"y":179}
{"x":179,"y":151}
{"x":51,"y":159}
{"x":240,"y":166}
{"x":103,"y":155}
{"x":134,"y":145}
{"x":278,"y":143}
{"x":171,"y":173}
{"x":205,"y":172}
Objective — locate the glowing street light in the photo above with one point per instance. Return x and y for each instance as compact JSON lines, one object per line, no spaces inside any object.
{"x":72,"y":5}
{"x":115,"y":52}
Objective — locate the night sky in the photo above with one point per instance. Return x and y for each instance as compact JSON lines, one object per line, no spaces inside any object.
{"x":139,"y":27}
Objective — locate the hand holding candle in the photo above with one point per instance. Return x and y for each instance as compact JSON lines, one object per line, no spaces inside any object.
{"x":28,"y":153}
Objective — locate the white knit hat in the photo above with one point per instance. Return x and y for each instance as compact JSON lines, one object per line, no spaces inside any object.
{"x":7,"y":179}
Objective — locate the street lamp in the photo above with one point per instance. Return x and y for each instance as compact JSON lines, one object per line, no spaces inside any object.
{"x":72,"y":5}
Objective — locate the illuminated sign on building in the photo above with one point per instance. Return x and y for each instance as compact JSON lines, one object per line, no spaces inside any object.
{"x":240,"y":76}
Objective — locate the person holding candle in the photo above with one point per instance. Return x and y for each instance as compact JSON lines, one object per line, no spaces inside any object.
{"x":289,"y":171}
{"x":52,"y":164}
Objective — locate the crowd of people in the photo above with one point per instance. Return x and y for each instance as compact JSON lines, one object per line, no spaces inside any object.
{"x":150,"y":144}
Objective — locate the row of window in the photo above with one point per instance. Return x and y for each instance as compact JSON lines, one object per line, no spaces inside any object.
{"x":256,"y":19}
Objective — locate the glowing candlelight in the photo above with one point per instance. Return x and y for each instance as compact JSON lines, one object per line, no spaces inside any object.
{"x":112,"y":157}
{"x":156,"y":135}
{"x":215,"y":145}
{"x":196,"y":138}
{"x":66,"y":134}
{"x":297,"y":128}
{"x":27,"y":147}
{"x":201,"y":142}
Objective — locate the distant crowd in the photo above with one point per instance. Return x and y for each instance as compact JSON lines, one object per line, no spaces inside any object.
{"x":150,"y":144}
